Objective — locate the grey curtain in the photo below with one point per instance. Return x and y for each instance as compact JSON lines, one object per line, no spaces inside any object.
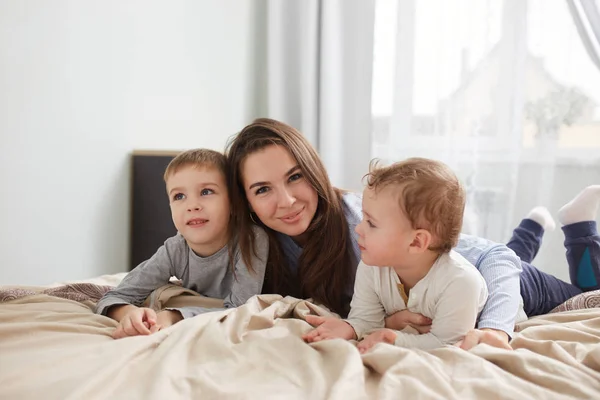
{"x":315,"y":74}
{"x":587,"y":20}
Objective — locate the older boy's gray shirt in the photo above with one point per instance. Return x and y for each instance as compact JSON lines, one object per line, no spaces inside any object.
{"x":210,"y":276}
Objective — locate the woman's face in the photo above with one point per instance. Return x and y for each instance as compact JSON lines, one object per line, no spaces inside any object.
{"x":278,"y":192}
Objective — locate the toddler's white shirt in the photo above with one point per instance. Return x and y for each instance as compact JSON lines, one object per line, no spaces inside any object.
{"x":452,"y":294}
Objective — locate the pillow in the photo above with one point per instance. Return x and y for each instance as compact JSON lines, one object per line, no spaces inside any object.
{"x":584,"y":300}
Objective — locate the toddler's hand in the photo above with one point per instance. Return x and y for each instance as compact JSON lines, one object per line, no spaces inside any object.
{"x":328,"y":328}
{"x":138,"y":321}
{"x":401,"y":319}
{"x":381,"y":336}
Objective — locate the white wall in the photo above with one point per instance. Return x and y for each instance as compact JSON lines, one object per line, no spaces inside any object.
{"x":84,"y":83}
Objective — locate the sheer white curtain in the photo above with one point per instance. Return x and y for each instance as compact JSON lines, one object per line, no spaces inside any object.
{"x":503,"y":91}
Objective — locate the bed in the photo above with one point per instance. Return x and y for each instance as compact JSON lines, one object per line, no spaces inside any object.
{"x":53,"y":346}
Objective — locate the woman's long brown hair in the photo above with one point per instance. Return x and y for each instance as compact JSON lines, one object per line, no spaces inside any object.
{"x":324,"y":268}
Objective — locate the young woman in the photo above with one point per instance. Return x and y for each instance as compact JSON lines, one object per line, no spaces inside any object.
{"x":278,"y":181}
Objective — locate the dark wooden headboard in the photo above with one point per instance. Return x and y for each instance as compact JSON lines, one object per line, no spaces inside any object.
{"x":151,"y":222}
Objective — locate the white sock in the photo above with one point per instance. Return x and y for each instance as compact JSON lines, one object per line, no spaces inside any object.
{"x":582,"y":208}
{"x":542,"y":216}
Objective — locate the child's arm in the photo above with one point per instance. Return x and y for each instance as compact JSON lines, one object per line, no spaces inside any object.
{"x":141,"y":281}
{"x":455,"y":313}
{"x":366,"y":311}
{"x":246,"y":283}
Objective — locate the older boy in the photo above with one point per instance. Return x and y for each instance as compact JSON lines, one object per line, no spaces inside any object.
{"x":203,"y":255}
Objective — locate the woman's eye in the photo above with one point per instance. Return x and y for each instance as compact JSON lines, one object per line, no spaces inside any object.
{"x":206,"y":192}
{"x":262,"y":189}
{"x":295,"y":177}
{"x":179,"y":196}
{"x":370,"y":224}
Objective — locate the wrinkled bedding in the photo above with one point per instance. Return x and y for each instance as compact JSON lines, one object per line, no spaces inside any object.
{"x":53,"y":346}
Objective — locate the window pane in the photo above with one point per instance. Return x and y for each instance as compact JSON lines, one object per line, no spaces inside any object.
{"x":502,"y":91}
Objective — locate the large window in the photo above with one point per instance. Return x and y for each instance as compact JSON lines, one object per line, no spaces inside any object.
{"x":503,"y":91}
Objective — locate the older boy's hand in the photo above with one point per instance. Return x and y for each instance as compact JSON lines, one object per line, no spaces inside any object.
{"x":328,"y":328}
{"x":401,"y":319}
{"x":381,"y":336}
{"x":491,"y":337}
{"x":137,"y":321}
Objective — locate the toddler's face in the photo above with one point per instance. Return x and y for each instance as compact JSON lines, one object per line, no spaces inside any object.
{"x":385,"y":233}
{"x":199,"y":203}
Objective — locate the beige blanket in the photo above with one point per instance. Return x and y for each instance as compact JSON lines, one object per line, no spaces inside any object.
{"x":54,"y":348}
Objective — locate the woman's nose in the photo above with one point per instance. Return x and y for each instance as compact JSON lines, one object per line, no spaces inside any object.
{"x":286,"y":198}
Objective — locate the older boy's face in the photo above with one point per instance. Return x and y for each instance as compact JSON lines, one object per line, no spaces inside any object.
{"x":385,"y":233}
{"x":200,"y":207}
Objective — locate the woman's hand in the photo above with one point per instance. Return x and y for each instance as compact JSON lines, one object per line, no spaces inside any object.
{"x":401,"y":319}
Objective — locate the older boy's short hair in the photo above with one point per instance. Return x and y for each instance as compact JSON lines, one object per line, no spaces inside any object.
{"x":197,"y":158}
{"x":430,"y":195}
